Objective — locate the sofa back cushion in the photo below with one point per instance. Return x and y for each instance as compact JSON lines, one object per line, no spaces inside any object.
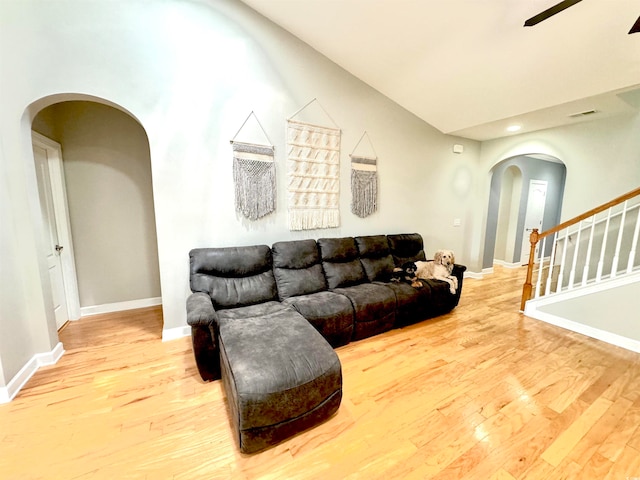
{"x":406,"y":247}
{"x":297,"y":268}
{"x":375,"y":257}
{"x":233,"y":276}
{"x":341,"y":262}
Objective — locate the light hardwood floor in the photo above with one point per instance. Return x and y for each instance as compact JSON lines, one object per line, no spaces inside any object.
{"x":481,"y":393}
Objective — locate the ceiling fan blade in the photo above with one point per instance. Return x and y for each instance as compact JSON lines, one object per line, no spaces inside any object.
{"x":549,"y":12}
{"x":636,"y":27}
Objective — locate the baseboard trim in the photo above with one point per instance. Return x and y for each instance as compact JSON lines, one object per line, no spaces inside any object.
{"x":504,"y":264}
{"x":120,"y":306}
{"x":175,"y":333}
{"x":9,"y":392}
{"x":602,"y":335}
{"x":476,"y":275}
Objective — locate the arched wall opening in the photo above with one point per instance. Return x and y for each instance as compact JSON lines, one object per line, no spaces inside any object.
{"x":107,"y":171}
{"x":509,"y":191}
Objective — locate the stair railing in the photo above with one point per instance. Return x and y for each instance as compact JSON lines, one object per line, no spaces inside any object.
{"x":569,"y":264}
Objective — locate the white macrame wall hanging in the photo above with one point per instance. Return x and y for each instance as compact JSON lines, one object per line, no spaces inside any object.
{"x":364,"y":181}
{"x":254,"y":176}
{"x":313,"y":169}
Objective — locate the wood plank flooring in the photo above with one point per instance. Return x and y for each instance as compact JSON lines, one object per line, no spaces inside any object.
{"x":481,"y":393}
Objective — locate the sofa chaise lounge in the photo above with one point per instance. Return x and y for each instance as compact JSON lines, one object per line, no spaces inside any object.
{"x":265,"y":320}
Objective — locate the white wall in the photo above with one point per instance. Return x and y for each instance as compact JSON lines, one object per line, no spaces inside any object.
{"x":190,"y":73}
{"x":613,"y":310}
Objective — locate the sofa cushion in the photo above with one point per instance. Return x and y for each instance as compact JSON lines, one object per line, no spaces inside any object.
{"x":341,"y":262}
{"x":374,"y":308}
{"x":251,"y":311}
{"x":297,"y":268}
{"x":330,"y":313}
{"x":233,"y":276}
{"x":406,"y":247}
{"x":375,"y":257}
{"x":280,"y":376}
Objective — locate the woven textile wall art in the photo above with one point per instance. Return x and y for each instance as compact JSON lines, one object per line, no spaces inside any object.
{"x":254,"y":177}
{"x":313,"y":176}
{"x":364,"y":185}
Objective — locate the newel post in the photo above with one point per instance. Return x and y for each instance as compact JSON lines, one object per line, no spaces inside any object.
{"x":528,"y":287}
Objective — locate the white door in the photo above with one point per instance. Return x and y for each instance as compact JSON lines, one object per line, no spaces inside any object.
{"x":53,"y":247}
{"x":533,"y":216}
{"x":55,"y":219}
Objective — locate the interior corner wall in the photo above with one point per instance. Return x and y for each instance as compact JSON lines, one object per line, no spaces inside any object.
{"x":508,"y":210}
{"x":26,"y":326}
{"x":13,"y":309}
{"x":190,"y":73}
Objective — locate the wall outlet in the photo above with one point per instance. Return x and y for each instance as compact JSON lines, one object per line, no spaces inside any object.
{"x":456,"y":222}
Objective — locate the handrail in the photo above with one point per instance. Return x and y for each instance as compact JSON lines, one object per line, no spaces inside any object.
{"x":536,"y":236}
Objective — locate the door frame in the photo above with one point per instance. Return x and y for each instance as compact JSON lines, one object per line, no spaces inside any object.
{"x":63,"y":223}
{"x":526,"y":244}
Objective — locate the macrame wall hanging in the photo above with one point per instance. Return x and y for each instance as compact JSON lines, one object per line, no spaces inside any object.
{"x":313,"y":168}
{"x":254,"y":176}
{"x":364,"y":181}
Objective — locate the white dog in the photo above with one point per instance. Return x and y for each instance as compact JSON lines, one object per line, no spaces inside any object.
{"x":440,"y":269}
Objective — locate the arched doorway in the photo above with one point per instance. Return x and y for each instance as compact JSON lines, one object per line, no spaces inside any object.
{"x":508,"y":199}
{"x":107,"y":171}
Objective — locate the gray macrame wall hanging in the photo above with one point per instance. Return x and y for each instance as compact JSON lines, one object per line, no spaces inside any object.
{"x":313,"y":167}
{"x":364,"y":181}
{"x":254,"y":176}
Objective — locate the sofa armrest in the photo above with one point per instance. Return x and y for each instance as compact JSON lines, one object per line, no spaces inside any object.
{"x":459,"y":269}
{"x":202,"y":318}
{"x":200,"y":311}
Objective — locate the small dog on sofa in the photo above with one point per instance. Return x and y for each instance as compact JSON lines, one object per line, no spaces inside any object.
{"x":440,"y":268}
{"x":406,"y":273}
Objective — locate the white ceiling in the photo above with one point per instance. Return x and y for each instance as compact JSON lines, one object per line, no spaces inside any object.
{"x":469,"y":67}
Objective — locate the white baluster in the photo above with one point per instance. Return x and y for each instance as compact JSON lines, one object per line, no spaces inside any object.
{"x":562,"y":262}
{"x":541,"y":267}
{"x":547,"y":288}
{"x":604,"y":246}
{"x":616,"y":256}
{"x":632,"y":253}
{"x":585,"y":272}
{"x":572,"y":274}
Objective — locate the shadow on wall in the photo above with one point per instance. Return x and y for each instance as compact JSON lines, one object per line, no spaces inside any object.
{"x":511,"y":180}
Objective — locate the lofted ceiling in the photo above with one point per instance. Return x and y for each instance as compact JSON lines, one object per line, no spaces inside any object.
{"x":470,"y":67}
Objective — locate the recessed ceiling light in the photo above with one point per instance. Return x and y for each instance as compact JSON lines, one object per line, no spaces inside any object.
{"x":513,"y":128}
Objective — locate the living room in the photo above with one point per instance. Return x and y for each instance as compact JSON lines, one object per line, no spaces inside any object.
{"x":190,"y":73}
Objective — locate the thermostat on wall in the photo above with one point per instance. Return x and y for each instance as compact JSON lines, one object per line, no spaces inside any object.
{"x":457,"y":148}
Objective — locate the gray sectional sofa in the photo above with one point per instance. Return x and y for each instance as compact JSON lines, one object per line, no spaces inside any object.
{"x":266,"y":319}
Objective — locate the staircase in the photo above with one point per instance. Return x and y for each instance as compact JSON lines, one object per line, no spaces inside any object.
{"x":580,"y":271}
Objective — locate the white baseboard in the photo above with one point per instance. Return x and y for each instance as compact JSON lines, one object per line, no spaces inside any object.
{"x":175,"y":333}
{"x":489,"y":270}
{"x":504,"y":264}
{"x":608,"y":337}
{"x":476,"y":275}
{"x":22,"y":377}
{"x":120,"y":306}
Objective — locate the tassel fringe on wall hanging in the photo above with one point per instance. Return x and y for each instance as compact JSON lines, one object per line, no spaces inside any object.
{"x":313,"y":168}
{"x":254,"y":177}
{"x":364,"y":183}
